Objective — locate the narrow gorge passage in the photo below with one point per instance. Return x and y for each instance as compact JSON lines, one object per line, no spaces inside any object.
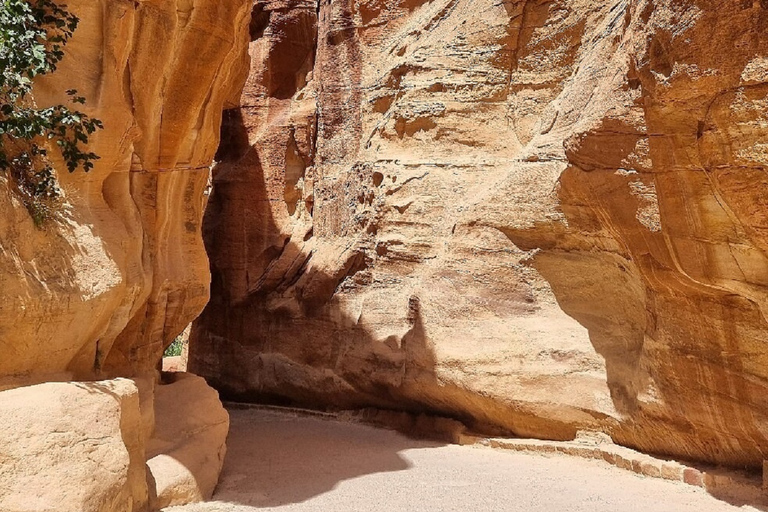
{"x":544,"y":222}
{"x":280,"y":461}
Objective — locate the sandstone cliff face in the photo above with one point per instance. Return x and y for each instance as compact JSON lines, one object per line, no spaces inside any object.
{"x":535,"y":215}
{"x":121,"y":268}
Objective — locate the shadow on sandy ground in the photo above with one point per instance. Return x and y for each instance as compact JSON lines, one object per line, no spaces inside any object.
{"x":280,"y":461}
{"x":276,"y":459}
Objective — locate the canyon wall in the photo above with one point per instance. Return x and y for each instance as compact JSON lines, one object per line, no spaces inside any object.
{"x":98,"y":287}
{"x":119,"y":269}
{"x":537,"y":216}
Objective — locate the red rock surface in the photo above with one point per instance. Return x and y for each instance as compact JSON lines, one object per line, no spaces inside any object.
{"x":540,"y":216}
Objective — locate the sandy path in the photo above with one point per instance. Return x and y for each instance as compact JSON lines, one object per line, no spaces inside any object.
{"x":278,"y":461}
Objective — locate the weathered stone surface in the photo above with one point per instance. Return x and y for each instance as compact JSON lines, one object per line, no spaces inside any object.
{"x":93,"y":446}
{"x":186,"y":452}
{"x":72,"y":447}
{"x":544,"y":216}
{"x":121,"y":269}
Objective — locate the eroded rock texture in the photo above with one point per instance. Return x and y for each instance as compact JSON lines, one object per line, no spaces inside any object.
{"x":72,"y":447}
{"x":120,"y":269}
{"x":541,"y":216}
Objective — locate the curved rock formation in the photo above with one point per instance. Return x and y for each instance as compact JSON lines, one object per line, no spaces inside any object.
{"x":542,"y":216}
{"x":120,"y":269}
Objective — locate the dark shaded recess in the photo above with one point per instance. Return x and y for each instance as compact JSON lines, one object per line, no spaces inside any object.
{"x":292,"y":52}
{"x":234,"y":138}
{"x":259,"y":21}
{"x":660,"y":58}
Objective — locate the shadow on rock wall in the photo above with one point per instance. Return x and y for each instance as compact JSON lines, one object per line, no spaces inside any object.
{"x":286,"y":340}
{"x":257,"y":348}
{"x":659,"y":257}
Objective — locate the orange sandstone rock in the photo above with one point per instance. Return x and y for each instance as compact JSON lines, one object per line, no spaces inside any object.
{"x":72,"y":447}
{"x":186,"y":452}
{"x":121,"y":269}
{"x":538,"y":216}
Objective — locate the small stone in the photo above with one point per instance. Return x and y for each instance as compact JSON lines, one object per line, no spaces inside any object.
{"x":693,"y":476}
{"x":765,"y":475}
{"x":651,"y":468}
{"x":671,"y":471}
{"x":623,"y":463}
{"x":608,"y":457}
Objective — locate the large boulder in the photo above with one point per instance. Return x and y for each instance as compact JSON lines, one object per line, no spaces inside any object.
{"x":89,"y":447}
{"x":72,"y":447}
{"x":186,"y":452}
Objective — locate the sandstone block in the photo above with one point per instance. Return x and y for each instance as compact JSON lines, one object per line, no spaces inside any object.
{"x":624,"y":463}
{"x":765,"y":475}
{"x":651,"y":468}
{"x":186,"y":453}
{"x":72,"y":447}
{"x":609,"y":457}
{"x":671,"y":471}
{"x":693,"y":476}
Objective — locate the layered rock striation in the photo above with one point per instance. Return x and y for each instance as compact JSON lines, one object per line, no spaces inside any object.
{"x":98,"y":289}
{"x":120,"y":269}
{"x":538,"y":216}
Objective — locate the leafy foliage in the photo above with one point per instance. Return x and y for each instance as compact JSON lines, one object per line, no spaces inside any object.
{"x":33,"y":34}
{"x":174,"y":349}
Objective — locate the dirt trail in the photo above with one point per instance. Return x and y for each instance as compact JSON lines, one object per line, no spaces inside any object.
{"x":283,"y":462}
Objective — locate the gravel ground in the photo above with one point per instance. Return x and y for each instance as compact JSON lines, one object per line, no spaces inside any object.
{"x":278,"y":461}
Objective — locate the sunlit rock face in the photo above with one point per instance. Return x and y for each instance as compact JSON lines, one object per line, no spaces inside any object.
{"x":72,"y":447}
{"x":117,"y":271}
{"x":120,"y":268}
{"x":541,"y":216}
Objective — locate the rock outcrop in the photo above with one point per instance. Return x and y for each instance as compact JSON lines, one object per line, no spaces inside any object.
{"x":69,"y":447}
{"x":85,"y":446}
{"x":186,"y":452}
{"x":120,"y":268}
{"x":539,"y":216}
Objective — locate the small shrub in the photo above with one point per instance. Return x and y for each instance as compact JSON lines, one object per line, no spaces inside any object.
{"x":174,"y":349}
